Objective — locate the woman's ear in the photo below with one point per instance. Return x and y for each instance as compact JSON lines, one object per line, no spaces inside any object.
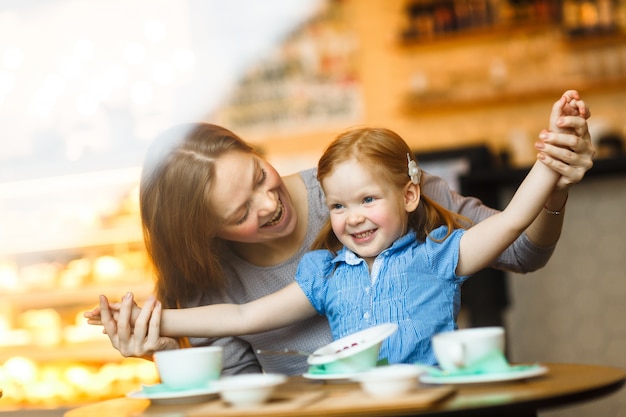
{"x":412,"y":194}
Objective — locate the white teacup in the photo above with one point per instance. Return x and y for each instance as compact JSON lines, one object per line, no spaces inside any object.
{"x":463,"y":348}
{"x":190,"y":367}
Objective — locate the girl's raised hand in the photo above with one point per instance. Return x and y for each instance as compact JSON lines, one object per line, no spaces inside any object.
{"x":566,"y":146}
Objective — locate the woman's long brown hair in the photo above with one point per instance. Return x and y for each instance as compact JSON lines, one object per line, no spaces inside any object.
{"x":384,"y":152}
{"x":178,"y":225}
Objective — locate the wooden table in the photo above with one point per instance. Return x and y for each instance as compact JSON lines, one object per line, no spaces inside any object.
{"x":564,"y":384}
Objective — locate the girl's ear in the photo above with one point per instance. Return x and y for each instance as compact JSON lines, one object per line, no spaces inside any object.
{"x":412,"y":194}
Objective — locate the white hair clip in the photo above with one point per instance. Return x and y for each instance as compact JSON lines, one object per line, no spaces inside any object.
{"x":414,"y":171}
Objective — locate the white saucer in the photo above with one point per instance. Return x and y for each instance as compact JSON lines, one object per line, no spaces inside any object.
{"x":177,"y":397}
{"x":330,"y":377}
{"x":522,"y":373}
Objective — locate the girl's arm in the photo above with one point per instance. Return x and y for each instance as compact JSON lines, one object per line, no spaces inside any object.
{"x":567,"y":149}
{"x":543,"y":187}
{"x":567,"y":123}
{"x":482,"y":243}
{"x":273,"y":311}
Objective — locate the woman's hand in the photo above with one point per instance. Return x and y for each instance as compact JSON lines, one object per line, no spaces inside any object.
{"x":133,"y":331}
{"x":566,"y":147}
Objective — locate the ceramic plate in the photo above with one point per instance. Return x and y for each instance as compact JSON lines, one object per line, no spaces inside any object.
{"x":522,"y":372}
{"x":352,"y":344}
{"x":177,"y":397}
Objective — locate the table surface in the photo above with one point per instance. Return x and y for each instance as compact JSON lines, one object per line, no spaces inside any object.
{"x":564,"y":384}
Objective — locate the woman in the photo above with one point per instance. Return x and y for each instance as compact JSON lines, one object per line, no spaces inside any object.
{"x":388,"y":254}
{"x":223,"y":226}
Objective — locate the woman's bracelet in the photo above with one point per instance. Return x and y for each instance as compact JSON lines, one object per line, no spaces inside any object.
{"x":556,"y":212}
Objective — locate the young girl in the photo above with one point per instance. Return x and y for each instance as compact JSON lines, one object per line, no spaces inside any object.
{"x":387,"y":254}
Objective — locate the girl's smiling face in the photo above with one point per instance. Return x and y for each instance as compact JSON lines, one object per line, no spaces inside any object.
{"x":251,"y":199}
{"x":367,"y":214}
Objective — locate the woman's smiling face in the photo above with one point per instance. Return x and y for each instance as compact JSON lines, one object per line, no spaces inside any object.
{"x":251,"y":199}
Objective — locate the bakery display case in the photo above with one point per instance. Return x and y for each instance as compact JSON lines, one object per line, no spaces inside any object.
{"x":65,"y":241}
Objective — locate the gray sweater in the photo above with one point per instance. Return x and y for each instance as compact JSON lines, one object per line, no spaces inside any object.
{"x":247,"y":282}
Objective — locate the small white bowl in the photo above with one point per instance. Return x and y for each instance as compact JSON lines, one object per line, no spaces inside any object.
{"x":248,"y":390}
{"x":389,"y":381}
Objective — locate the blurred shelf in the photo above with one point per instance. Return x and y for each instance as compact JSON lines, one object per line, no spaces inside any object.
{"x":486,"y":94}
{"x":98,"y":351}
{"x":58,"y":298}
{"x":130,"y":233}
{"x":505,"y":32}
{"x":590,"y":41}
{"x":471,"y":36}
{"x":433,"y":103}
